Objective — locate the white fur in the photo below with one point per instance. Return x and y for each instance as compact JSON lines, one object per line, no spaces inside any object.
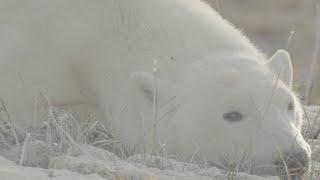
{"x":102,"y":53}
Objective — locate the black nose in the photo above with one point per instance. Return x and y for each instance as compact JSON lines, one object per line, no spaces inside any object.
{"x":293,"y":164}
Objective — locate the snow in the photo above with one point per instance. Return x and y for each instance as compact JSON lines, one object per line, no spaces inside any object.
{"x":94,"y":163}
{"x":27,"y":173}
{"x":11,"y":171}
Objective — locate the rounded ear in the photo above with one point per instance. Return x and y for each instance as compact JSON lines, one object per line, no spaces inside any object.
{"x":146,"y":86}
{"x":280,"y":63}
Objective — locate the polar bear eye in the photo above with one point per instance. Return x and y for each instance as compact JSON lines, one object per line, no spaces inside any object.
{"x":290,"y":106}
{"x":233,"y":116}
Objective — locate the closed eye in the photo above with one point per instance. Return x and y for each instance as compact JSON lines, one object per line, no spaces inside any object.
{"x":233,"y":116}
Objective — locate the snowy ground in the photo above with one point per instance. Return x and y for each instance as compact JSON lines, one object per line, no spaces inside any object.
{"x":63,"y":152}
{"x":93,"y":163}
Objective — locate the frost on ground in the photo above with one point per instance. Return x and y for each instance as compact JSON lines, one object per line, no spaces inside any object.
{"x":95,"y":163}
{"x":64,"y":149}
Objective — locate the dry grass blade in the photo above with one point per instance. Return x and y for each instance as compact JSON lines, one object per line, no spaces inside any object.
{"x":283,"y":159}
{"x":90,"y":129}
{"x":272,"y":93}
{"x":25,"y":144}
{"x":10,"y":122}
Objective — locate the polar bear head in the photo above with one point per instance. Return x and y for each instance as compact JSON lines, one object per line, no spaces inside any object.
{"x":233,"y":110}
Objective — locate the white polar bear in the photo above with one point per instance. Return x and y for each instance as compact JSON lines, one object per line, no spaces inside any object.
{"x":214,"y":96}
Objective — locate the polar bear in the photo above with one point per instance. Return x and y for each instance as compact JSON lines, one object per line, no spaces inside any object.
{"x":169,"y":74}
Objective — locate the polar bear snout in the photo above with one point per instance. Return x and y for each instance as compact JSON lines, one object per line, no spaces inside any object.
{"x":294,"y":164}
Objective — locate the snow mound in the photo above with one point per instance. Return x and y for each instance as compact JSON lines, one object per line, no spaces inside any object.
{"x":90,"y":163}
{"x":95,"y":161}
{"x":11,"y":171}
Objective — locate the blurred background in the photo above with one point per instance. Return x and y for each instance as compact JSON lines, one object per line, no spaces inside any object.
{"x":269,"y":24}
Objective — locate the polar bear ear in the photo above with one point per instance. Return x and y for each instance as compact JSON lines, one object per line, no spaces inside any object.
{"x":145,"y":85}
{"x":280,"y":63}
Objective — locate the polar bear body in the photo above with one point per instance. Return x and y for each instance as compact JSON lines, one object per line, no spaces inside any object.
{"x":88,"y":44}
{"x":102,"y":53}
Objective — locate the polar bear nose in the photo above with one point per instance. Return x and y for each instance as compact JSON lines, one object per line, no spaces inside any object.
{"x":293,"y":164}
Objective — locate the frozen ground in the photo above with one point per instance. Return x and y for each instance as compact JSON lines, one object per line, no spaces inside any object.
{"x":94,"y":163}
{"x":56,"y":153}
